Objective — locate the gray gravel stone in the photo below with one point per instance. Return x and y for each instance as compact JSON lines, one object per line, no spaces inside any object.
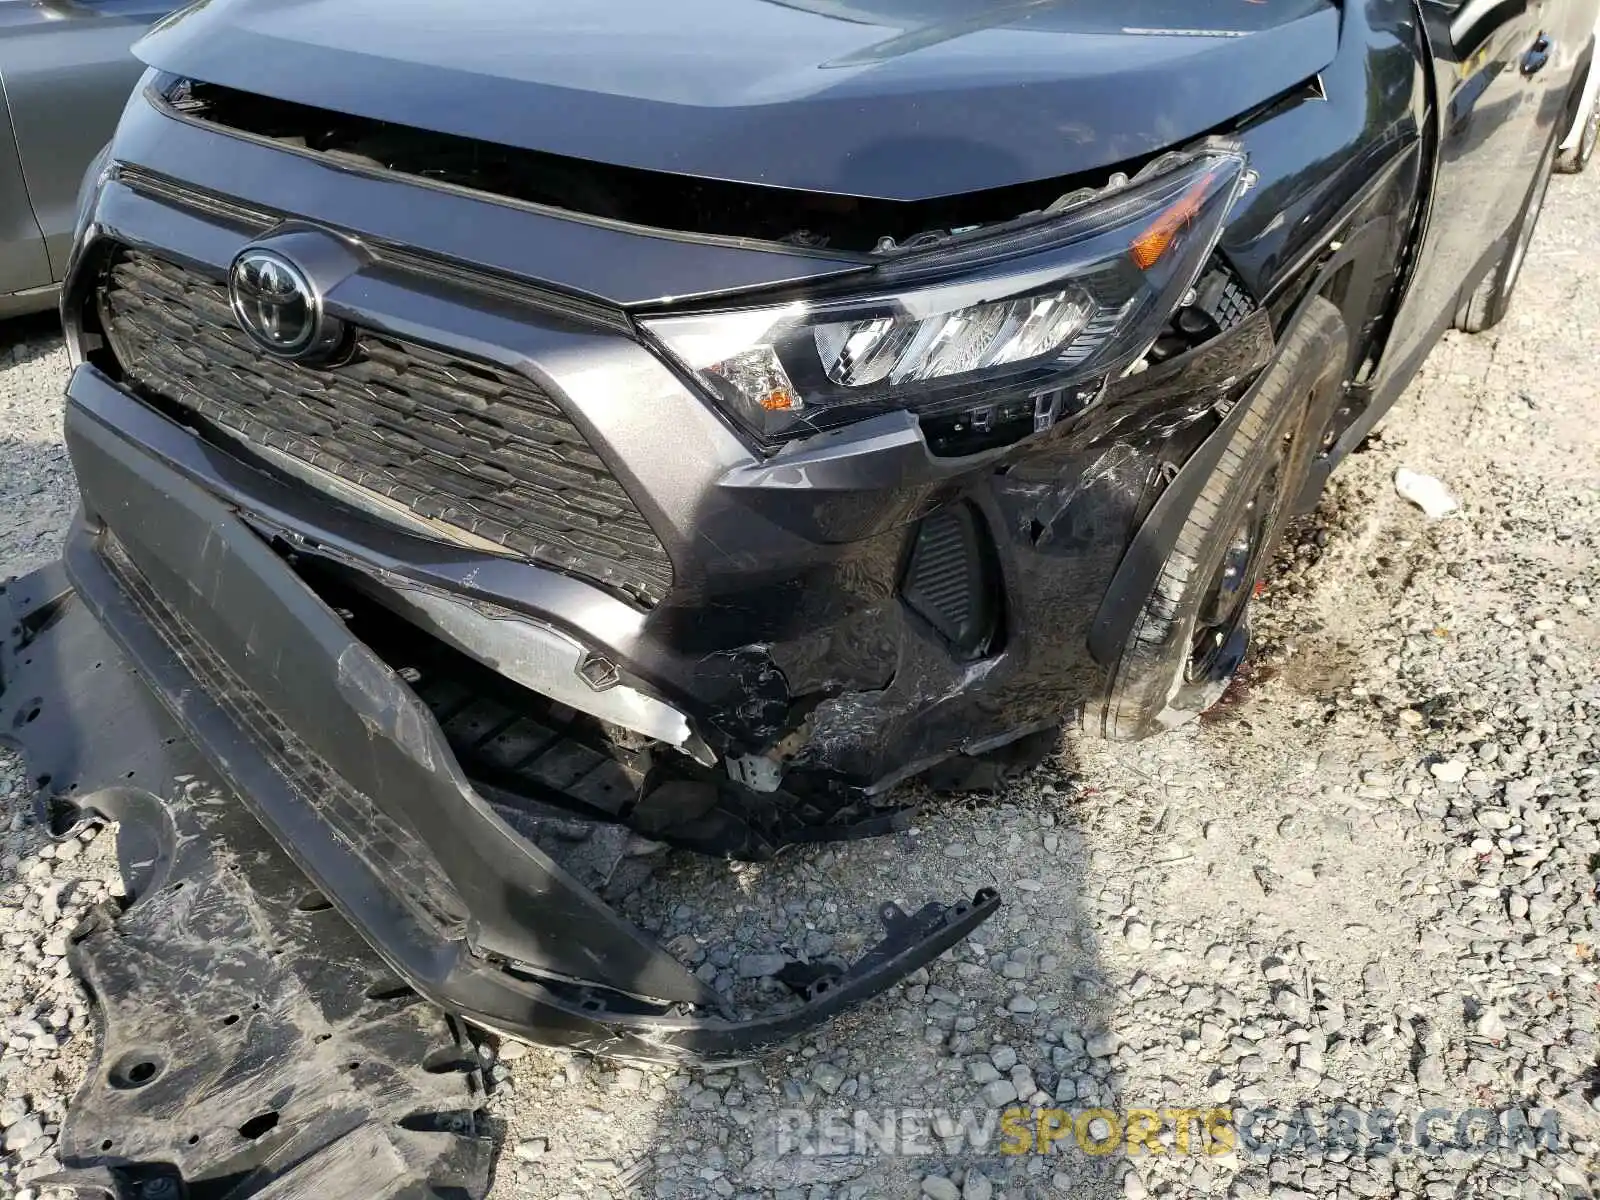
{"x":827,"y":1077}
{"x":1489,"y":1025}
{"x":1103,"y":1045}
{"x":758,"y":966}
{"x":532,"y":1149}
{"x":999,"y":1093}
{"x":23,"y":1133}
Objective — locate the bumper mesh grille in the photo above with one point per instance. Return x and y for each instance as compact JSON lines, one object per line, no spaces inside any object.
{"x":468,"y":444}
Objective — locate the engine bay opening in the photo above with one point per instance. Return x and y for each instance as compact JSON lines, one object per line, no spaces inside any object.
{"x":655,"y":200}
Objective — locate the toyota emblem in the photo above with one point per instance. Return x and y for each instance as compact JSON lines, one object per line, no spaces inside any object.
{"x":276,"y":303}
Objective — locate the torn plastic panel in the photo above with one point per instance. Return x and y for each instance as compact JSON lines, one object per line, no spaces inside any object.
{"x":506,"y":937}
{"x":548,"y":662}
{"x":250,"y":1043}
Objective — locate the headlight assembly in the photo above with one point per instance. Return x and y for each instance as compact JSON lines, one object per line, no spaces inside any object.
{"x":1014,"y":316}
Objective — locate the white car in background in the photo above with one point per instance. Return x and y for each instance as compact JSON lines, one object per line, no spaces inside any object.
{"x":1577,"y":148}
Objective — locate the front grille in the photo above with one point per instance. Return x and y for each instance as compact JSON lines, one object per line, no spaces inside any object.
{"x":468,"y":444}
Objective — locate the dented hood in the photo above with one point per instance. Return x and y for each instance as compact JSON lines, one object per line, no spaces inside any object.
{"x":898,"y":99}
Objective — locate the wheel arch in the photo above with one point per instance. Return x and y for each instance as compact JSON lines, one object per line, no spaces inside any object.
{"x":1141,"y":631}
{"x":1141,"y":563}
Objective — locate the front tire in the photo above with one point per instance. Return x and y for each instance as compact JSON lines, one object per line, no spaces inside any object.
{"x":1193,"y":629}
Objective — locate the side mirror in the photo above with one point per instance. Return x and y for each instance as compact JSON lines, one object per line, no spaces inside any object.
{"x":1467,"y":24}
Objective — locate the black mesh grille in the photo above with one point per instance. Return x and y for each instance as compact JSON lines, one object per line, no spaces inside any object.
{"x":946,"y":581}
{"x":465,"y":443}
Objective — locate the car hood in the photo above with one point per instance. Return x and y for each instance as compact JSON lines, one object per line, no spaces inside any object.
{"x":897,"y":99}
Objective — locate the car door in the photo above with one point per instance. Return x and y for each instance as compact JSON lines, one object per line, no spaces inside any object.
{"x":1549,"y":70}
{"x":1570,"y":27}
{"x":1485,"y":127}
{"x":24,"y":266}
{"x":67,"y":74}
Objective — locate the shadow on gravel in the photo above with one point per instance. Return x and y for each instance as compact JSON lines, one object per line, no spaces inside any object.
{"x":975,"y":1075}
{"x":25,"y":339}
{"x":37,"y":501}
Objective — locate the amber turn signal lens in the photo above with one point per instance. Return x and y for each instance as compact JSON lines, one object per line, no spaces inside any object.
{"x":1149,"y":247}
{"x":780,"y":401}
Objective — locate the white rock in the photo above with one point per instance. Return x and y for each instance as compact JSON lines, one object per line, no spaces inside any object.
{"x":1426,"y":492}
{"x":1292,"y":1005}
{"x":24,"y":1133}
{"x":532,"y":1149}
{"x":1489,"y":1025}
{"x":1451,"y":770}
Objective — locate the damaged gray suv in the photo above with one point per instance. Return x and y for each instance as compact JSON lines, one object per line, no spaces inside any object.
{"x":704,"y":419}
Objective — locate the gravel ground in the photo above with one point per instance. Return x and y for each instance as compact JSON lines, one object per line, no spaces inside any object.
{"x":1366,"y":883}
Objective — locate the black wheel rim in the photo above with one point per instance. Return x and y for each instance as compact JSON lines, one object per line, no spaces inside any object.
{"x":1218,"y":640}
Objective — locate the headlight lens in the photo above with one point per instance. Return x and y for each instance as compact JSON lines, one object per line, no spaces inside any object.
{"x":1031,"y":309}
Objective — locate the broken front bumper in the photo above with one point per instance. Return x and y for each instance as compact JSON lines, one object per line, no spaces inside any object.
{"x":249,"y":1042}
{"x":349,"y":771}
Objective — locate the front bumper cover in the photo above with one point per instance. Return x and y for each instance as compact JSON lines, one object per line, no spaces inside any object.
{"x":307,"y":728}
